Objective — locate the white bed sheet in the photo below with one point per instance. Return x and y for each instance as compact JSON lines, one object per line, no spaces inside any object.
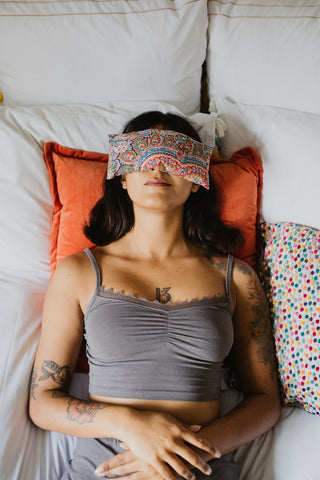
{"x":288,"y":451}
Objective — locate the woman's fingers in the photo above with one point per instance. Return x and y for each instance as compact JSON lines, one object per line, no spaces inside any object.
{"x":201,"y":443}
{"x":124,"y":459}
{"x":123,"y":470}
{"x":164,"y":471}
{"x":193,"y":459}
{"x":145,"y":475}
{"x":195,"y":428}
{"x":125,"y":465}
{"x":180,"y":467}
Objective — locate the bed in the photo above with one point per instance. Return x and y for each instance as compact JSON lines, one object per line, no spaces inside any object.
{"x":247,"y":76}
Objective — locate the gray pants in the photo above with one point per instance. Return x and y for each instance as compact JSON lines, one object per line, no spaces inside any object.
{"x":91,"y":452}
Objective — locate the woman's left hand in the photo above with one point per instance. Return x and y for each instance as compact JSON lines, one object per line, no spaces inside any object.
{"x":128,"y":466}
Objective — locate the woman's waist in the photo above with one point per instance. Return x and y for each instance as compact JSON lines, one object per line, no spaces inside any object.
{"x":188,"y":412}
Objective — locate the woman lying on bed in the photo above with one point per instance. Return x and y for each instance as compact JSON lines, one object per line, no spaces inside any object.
{"x":162,"y":302}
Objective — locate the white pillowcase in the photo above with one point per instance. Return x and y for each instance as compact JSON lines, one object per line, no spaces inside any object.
{"x":25,"y":199}
{"x":94,"y":51}
{"x":265,"y":53}
{"x":289,"y":144}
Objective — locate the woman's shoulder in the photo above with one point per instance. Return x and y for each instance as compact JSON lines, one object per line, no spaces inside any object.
{"x":238,"y":267}
{"x":72,"y":270}
{"x":242,"y":268}
{"x":245,"y":279}
{"x":73,"y":262}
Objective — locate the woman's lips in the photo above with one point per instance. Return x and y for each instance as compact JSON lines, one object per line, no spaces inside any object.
{"x":157,"y":183}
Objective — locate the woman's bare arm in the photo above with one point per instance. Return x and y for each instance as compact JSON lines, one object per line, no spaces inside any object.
{"x":254,"y":361}
{"x":50,"y":406}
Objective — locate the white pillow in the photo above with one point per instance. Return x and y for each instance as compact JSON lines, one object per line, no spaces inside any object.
{"x":95,"y":51}
{"x":265,"y":53}
{"x":289,"y":144}
{"x":25,"y":199}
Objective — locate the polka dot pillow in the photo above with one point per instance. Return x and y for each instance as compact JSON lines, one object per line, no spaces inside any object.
{"x":291,"y":278}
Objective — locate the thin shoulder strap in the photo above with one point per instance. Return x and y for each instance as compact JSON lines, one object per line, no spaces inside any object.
{"x":95,"y":267}
{"x":228,"y":279}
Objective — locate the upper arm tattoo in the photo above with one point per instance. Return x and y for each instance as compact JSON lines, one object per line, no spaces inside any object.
{"x":50,"y":369}
{"x":33,"y":383}
{"x":260,"y":327}
{"x":60,"y":375}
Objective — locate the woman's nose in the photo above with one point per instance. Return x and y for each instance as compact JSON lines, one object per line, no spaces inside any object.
{"x":160,"y":167}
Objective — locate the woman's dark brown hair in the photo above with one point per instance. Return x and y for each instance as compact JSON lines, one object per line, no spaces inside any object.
{"x":112,"y":216}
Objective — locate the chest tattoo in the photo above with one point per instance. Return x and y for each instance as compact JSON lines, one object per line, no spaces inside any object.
{"x":163,"y":295}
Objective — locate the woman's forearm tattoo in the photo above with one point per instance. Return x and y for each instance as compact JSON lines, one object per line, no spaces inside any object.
{"x":260,"y":327}
{"x":81,"y":411}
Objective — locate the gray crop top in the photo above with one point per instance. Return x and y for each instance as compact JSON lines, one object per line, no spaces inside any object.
{"x":144,"y":349}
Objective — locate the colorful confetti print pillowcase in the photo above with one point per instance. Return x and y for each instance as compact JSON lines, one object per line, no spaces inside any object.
{"x":291,"y":277}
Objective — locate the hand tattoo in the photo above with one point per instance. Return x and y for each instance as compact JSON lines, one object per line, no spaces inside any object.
{"x":162,"y":295}
{"x":58,"y":374}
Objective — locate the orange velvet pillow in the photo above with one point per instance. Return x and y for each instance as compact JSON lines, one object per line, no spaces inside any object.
{"x":239,"y":182}
{"x":76,"y":179}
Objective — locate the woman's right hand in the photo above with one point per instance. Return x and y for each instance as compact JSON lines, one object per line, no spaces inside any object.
{"x":127,"y":466}
{"x":162,"y":441}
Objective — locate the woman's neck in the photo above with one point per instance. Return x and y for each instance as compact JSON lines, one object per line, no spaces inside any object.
{"x":157,"y":236}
